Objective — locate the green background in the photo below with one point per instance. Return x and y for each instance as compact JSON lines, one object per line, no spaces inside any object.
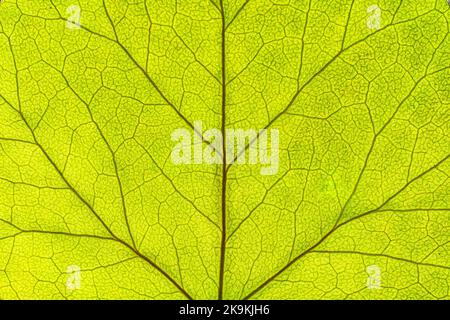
{"x":86,"y":179}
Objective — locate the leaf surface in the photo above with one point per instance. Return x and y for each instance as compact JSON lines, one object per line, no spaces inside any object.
{"x":86,"y":177}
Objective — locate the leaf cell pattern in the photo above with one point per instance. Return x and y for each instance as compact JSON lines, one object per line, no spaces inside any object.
{"x":87,"y":110}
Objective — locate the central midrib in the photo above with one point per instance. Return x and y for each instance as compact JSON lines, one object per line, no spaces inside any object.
{"x":224,"y":161}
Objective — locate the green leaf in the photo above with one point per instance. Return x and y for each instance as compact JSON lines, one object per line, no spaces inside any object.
{"x":93,"y":207}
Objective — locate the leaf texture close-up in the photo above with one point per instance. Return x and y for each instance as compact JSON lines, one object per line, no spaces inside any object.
{"x":340,"y":190}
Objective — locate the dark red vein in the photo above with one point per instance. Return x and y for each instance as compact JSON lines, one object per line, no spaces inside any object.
{"x":224,"y":160}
